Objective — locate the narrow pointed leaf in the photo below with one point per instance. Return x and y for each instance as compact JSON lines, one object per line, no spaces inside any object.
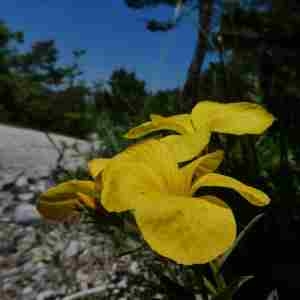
{"x":229,"y":291}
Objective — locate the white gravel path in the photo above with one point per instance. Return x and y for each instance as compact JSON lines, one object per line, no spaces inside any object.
{"x":32,"y":152}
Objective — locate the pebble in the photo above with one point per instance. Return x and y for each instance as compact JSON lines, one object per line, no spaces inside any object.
{"x":39,"y":187}
{"x":22,"y":181}
{"x":134,"y":268}
{"x":123,"y":283}
{"x":27,"y":290}
{"x":83,"y":279}
{"x":26,"y":214}
{"x":72,"y":249}
{"x":26,"y":197}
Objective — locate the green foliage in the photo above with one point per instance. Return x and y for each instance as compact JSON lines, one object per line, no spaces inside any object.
{"x":127,"y":92}
{"x":123,"y":96}
{"x":165,"y":102}
{"x":155,"y":25}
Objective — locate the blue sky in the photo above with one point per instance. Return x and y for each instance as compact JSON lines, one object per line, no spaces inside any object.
{"x":113,"y":35}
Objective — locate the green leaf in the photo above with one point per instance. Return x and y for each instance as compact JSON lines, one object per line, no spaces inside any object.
{"x":232,"y":288}
{"x":240,"y":237}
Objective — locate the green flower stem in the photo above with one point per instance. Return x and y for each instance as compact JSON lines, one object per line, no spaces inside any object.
{"x":209,"y":286}
{"x":218,"y":277}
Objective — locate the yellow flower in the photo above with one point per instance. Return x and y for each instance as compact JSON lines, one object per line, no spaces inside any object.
{"x":61,"y":202}
{"x":186,"y":229}
{"x":206,"y":117}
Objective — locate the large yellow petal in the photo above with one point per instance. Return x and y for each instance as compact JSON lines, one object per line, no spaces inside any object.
{"x":254,"y":196}
{"x":62,"y":201}
{"x":203,"y":165}
{"x":97,"y":165}
{"x":233,"y":118}
{"x":125,"y":183}
{"x":187,"y":146}
{"x":159,"y":123}
{"x":184,"y":229}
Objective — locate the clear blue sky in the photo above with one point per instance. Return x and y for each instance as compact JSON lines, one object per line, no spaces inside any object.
{"x":113,"y":35}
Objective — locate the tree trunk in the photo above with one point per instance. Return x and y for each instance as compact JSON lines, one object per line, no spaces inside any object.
{"x":190,"y":90}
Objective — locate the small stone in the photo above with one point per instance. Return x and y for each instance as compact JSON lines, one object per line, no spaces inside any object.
{"x":27,"y":290}
{"x":39,"y":187}
{"x":114,"y":267}
{"x":83,"y":279}
{"x":26,"y":197}
{"x":46,"y":295}
{"x":72,"y":249}
{"x":32,"y":188}
{"x":134,"y":268}
{"x":29,"y":267}
{"x":115,"y":291}
{"x":93,"y":136}
{"x":21,"y":181}
{"x":26,"y":214}
{"x":122,"y":284}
